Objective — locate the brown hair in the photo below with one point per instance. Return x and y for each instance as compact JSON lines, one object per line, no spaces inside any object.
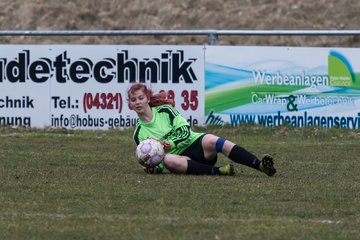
{"x":157,"y":99}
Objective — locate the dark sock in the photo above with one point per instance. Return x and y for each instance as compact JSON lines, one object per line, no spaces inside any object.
{"x":240,"y":155}
{"x":201,"y":169}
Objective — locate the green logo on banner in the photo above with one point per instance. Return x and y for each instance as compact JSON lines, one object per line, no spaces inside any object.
{"x":340,"y":71}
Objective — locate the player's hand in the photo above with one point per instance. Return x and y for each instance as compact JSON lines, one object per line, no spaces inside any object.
{"x":166,"y":145}
{"x":153,"y":170}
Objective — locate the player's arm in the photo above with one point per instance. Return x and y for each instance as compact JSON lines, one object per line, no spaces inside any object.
{"x":136,"y":134}
{"x":181,"y":128}
{"x":182,"y":134}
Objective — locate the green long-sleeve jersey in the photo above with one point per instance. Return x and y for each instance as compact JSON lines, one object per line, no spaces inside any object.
{"x":166,"y":125}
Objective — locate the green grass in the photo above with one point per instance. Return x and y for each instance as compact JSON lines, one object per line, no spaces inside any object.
{"x":62,"y":184}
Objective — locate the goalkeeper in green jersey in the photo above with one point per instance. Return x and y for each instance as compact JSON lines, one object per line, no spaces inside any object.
{"x":186,"y":151}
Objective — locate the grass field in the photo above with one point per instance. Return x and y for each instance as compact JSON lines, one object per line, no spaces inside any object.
{"x":62,"y":184}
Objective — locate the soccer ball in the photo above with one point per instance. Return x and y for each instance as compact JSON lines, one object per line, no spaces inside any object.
{"x":150,"y":152}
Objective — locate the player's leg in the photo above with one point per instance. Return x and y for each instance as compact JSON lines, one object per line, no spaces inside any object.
{"x":176,"y":163}
{"x":185,"y":165}
{"x":213,"y":144}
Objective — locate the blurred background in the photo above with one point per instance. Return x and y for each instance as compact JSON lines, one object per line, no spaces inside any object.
{"x":182,"y":15}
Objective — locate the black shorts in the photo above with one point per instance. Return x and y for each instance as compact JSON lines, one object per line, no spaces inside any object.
{"x":196,"y":152}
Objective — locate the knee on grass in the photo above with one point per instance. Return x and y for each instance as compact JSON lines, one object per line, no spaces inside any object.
{"x":175,"y":163}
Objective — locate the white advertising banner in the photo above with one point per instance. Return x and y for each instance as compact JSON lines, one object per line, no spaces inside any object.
{"x":272,"y":86}
{"x":85,"y":86}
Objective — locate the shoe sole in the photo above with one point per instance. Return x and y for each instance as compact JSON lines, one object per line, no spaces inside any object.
{"x":268,"y":163}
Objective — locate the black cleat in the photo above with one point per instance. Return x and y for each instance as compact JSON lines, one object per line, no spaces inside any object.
{"x":267,"y":165}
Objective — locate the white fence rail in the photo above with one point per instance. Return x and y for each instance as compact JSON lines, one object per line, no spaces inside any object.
{"x":212,"y":34}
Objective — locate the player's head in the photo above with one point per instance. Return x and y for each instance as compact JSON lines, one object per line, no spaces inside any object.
{"x":140,"y":87}
{"x":138,"y":90}
{"x":153,"y":99}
